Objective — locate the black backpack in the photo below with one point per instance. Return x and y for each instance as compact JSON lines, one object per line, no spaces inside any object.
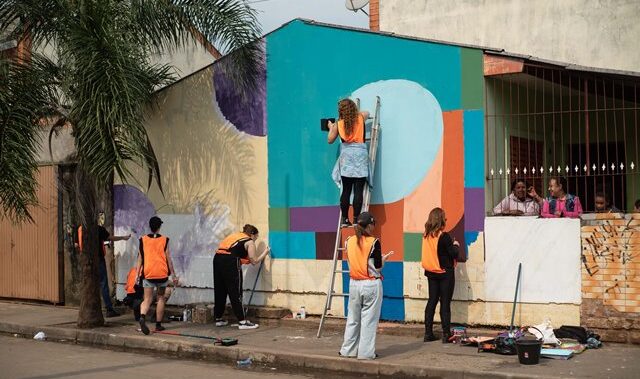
{"x":575,"y":332}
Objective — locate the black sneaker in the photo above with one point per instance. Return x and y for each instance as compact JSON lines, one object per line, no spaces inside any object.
{"x":143,"y":327}
{"x":345,"y":222}
{"x":159,"y":328}
{"x":112,"y":313}
{"x":246,"y":324}
{"x":430,"y":338}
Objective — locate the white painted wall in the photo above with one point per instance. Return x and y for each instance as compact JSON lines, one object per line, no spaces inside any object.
{"x":592,"y":33}
{"x":549,"y":250}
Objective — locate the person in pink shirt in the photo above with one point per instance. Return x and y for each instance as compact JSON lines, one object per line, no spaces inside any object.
{"x":560,"y":203}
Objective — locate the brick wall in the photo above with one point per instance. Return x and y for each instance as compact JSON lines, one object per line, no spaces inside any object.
{"x":374,"y":15}
{"x":611,"y":276}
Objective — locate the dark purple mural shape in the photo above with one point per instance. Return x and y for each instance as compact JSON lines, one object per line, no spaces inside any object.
{"x":132,"y":209}
{"x":248,"y":113}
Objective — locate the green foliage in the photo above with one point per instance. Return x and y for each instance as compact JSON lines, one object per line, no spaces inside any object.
{"x":101,"y":80}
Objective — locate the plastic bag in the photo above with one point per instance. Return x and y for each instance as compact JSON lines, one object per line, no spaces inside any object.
{"x":544,"y":331}
{"x":40,"y":336}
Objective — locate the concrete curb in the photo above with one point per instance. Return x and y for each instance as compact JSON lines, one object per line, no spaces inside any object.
{"x":221,"y":354}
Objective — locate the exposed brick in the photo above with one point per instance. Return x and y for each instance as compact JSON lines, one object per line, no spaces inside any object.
{"x":600,"y":323}
{"x":634,"y":337}
{"x":608,"y":335}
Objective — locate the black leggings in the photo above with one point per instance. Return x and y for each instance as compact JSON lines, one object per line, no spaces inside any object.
{"x":227,"y":281}
{"x":357,"y":184}
{"x":440,"y":289}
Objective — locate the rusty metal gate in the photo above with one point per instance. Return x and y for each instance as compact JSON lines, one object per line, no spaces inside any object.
{"x":30,"y":265}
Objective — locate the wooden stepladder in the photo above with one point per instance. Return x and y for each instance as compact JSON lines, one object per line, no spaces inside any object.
{"x":338,"y":247}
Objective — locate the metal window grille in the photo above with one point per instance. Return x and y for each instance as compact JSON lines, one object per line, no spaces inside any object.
{"x":550,"y":121}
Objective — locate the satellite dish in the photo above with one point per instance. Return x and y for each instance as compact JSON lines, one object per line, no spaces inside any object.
{"x":356,"y":5}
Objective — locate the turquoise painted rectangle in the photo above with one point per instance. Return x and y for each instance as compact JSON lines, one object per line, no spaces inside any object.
{"x":309,"y":68}
{"x":292,"y":245}
{"x":474,"y":141}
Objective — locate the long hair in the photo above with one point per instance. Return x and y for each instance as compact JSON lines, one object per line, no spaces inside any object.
{"x":360,"y":232}
{"x":348,"y":113}
{"x":435,"y":222}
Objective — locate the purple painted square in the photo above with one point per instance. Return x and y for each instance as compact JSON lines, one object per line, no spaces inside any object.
{"x":314,"y":219}
{"x":474,"y":209}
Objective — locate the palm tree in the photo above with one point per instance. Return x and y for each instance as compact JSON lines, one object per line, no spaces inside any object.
{"x":100,"y":80}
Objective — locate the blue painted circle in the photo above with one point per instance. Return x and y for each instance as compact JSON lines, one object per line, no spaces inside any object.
{"x":410,"y":134}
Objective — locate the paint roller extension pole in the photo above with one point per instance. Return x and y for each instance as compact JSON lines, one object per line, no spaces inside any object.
{"x":515,"y":297}
{"x":253,"y":290}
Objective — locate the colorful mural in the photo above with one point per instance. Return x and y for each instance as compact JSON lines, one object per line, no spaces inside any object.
{"x":211,"y":149}
{"x":431,"y":150}
{"x":227,"y":160}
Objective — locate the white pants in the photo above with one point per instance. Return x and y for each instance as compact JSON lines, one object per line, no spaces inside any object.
{"x":365,"y":303}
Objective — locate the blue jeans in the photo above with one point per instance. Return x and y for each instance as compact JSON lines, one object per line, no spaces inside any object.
{"x":104,"y":285}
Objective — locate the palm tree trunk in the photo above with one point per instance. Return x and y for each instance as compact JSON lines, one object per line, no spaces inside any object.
{"x":87,"y":195}
{"x":90,"y":314}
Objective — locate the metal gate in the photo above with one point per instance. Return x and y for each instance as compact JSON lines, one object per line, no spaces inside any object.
{"x":30,"y":265}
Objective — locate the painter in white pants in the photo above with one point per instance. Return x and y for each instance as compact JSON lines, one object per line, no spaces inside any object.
{"x":365,"y":303}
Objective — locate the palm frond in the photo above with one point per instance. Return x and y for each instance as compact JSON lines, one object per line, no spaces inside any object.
{"x":230,"y":25}
{"x":25,"y":94}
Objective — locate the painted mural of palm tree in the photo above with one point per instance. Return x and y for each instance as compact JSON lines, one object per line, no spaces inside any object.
{"x":99,"y":79}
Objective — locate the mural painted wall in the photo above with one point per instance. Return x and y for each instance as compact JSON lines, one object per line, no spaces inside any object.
{"x":430,"y":154}
{"x":211,"y":147}
{"x":226,"y":160}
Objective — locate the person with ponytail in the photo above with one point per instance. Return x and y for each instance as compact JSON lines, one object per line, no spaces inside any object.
{"x":351,"y":171}
{"x":365,"y":290}
{"x":235,"y":250}
{"x":439,"y":254}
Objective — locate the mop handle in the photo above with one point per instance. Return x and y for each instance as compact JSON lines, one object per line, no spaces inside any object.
{"x":515,"y":297}
{"x":253,"y":290}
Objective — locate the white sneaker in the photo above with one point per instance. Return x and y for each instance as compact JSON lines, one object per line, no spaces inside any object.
{"x":246,"y":324}
{"x":221,"y":322}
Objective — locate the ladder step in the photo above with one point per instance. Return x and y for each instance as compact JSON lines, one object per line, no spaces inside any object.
{"x":341,"y":248}
{"x":340,"y":294}
{"x":342,"y":271}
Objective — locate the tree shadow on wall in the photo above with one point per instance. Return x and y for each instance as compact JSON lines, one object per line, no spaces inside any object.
{"x":198,"y":150}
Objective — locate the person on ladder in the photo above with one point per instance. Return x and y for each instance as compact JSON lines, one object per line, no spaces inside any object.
{"x":352,"y":168}
{"x":365,"y":290}
{"x":235,"y":250}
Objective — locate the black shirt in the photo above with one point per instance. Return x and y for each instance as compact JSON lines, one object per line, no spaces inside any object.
{"x":103,"y":236}
{"x":447,"y":253}
{"x":239,"y":250}
{"x":376,"y":254}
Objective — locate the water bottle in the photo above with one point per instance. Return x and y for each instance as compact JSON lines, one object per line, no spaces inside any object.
{"x":245,"y":363}
{"x":185,"y":314}
{"x":303,"y":313}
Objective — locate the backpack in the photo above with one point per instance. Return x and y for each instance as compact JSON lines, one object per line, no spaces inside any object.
{"x":575,"y":332}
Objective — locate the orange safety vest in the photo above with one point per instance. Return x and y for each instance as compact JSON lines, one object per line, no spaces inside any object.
{"x":104,"y":251}
{"x":358,"y":256}
{"x":131,"y":281}
{"x":430,"y":261}
{"x":230,"y":242}
{"x":80,"y":237}
{"x":155,"y":257}
{"x":357,"y":134}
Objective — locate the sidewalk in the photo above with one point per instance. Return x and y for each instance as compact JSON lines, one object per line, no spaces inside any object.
{"x":293,"y":345}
